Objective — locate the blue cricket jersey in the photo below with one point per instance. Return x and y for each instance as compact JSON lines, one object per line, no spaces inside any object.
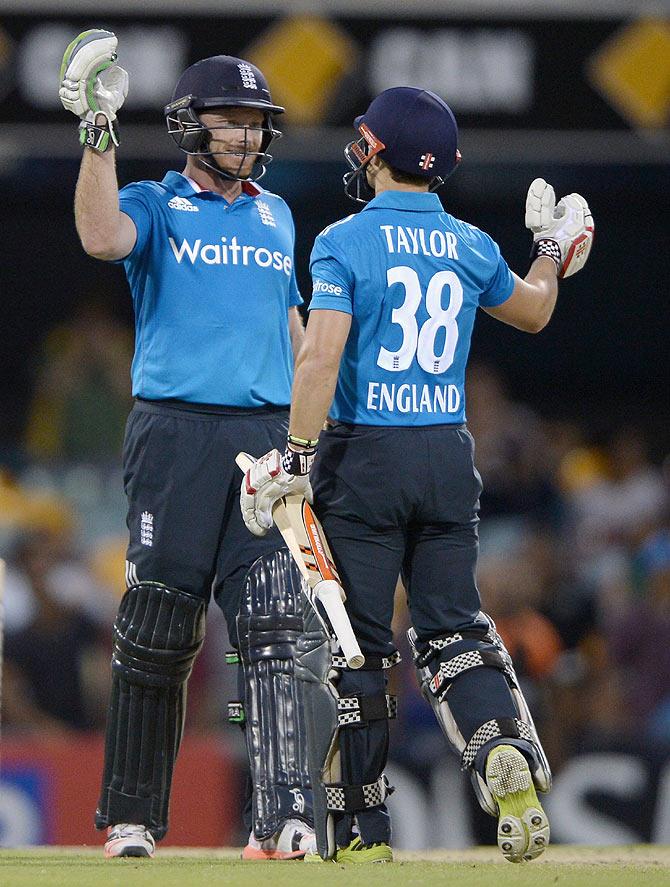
{"x":412,"y":277}
{"x":211,"y":283}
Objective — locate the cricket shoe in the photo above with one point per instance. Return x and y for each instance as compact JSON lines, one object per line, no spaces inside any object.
{"x":357,"y":852}
{"x":295,"y":839}
{"x":523,"y":827}
{"x":126,"y":839}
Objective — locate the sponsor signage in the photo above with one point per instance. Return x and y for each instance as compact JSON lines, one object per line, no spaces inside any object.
{"x":45,"y":799}
{"x":526,"y":74}
{"x":612,"y":796}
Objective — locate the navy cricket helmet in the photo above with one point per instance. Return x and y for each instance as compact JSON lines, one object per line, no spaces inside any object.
{"x":219,"y":82}
{"x":413,"y":130}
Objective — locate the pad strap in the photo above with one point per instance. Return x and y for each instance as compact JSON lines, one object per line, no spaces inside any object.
{"x":363,"y":709}
{"x":425,"y":652}
{"x":449,"y":671}
{"x":353,"y":798}
{"x":372,"y":662}
{"x":505,"y":727}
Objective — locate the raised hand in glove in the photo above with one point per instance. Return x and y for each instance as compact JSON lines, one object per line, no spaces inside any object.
{"x":91,"y":84}
{"x":562,"y":232}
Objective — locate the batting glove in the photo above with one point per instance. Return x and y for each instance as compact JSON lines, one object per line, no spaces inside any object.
{"x":562,"y":232}
{"x":91,"y":84}
{"x":268,"y":480}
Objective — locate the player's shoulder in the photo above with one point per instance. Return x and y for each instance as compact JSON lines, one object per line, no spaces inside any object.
{"x":146,"y":189}
{"x":337,"y":233}
{"x":334,"y":230}
{"x":274,"y":200}
{"x":471,"y":234}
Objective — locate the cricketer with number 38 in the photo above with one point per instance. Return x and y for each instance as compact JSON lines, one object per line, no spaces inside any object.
{"x":395,"y":291}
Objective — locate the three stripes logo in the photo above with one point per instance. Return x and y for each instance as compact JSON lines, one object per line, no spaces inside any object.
{"x":183,"y":204}
{"x":131,"y":574}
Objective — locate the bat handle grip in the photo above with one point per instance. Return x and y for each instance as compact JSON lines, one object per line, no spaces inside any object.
{"x":330,"y":594}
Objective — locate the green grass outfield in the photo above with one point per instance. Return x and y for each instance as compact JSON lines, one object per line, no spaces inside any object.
{"x":631,"y":866}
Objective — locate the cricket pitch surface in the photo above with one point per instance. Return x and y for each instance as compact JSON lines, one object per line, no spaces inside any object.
{"x":565,"y":866}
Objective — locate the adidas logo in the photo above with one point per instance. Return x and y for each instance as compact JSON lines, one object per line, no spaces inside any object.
{"x":183,"y":204}
{"x":265,"y":213}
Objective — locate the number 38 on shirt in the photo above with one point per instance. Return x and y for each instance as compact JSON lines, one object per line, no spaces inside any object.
{"x":420,"y":343}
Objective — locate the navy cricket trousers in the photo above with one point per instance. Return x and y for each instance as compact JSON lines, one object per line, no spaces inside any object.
{"x":183,"y":488}
{"x":401,"y":501}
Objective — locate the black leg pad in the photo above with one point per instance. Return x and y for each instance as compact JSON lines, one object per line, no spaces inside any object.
{"x":269,"y":626}
{"x":157,"y":635}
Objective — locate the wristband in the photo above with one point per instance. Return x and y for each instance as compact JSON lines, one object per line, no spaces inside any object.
{"x":547,"y":248}
{"x":294,"y":462}
{"x":302,"y":442}
{"x":99,"y":138}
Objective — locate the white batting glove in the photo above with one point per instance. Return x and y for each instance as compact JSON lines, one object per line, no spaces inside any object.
{"x":562,"y":232}
{"x":267,"y":481}
{"x":92,"y":84}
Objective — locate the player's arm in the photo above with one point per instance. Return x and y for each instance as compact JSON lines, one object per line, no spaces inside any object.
{"x":94,"y":89}
{"x":533,"y":299}
{"x":562,"y":240}
{"x":273,"y":475}
{"x":105,"y":232}
{"x":316,"y":371}
{"x":296,"y":329}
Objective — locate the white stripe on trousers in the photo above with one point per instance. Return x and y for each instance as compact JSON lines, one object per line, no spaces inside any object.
{"x":131,"y":574}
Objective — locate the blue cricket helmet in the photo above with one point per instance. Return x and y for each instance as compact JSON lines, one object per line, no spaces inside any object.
{"x":413,"y":130}
{"x":224,"y":80}
{"x":219,"y":82}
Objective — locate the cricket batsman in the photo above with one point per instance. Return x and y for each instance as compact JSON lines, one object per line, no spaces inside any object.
{"x":209,"y":258}
{"x":396,"y":289}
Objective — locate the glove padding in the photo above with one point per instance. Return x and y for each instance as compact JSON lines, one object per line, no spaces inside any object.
{"x":90,"y":81}
{"x":568,"y":224}
{"x":263,"y":485}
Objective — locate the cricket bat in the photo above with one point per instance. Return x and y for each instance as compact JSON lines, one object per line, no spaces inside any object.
{"x":307,"y":543}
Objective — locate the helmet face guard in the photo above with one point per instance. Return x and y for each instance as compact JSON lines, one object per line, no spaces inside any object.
{"x":193,"y":138}
{"x":358,"y":154}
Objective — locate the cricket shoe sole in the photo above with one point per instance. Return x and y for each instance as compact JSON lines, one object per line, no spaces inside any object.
{"x":523,"y":827}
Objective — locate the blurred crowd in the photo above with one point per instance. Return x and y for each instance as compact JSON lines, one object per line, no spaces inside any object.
{"x":574,"y":568}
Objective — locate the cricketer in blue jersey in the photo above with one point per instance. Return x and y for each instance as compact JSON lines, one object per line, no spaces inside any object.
{"x":395,"y":292}
{"x":212,"y":284}
{"x":412,"y":277}
{"x":209,"y":258}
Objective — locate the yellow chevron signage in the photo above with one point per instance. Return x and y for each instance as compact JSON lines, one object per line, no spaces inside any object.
{"x":632,"y":72}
